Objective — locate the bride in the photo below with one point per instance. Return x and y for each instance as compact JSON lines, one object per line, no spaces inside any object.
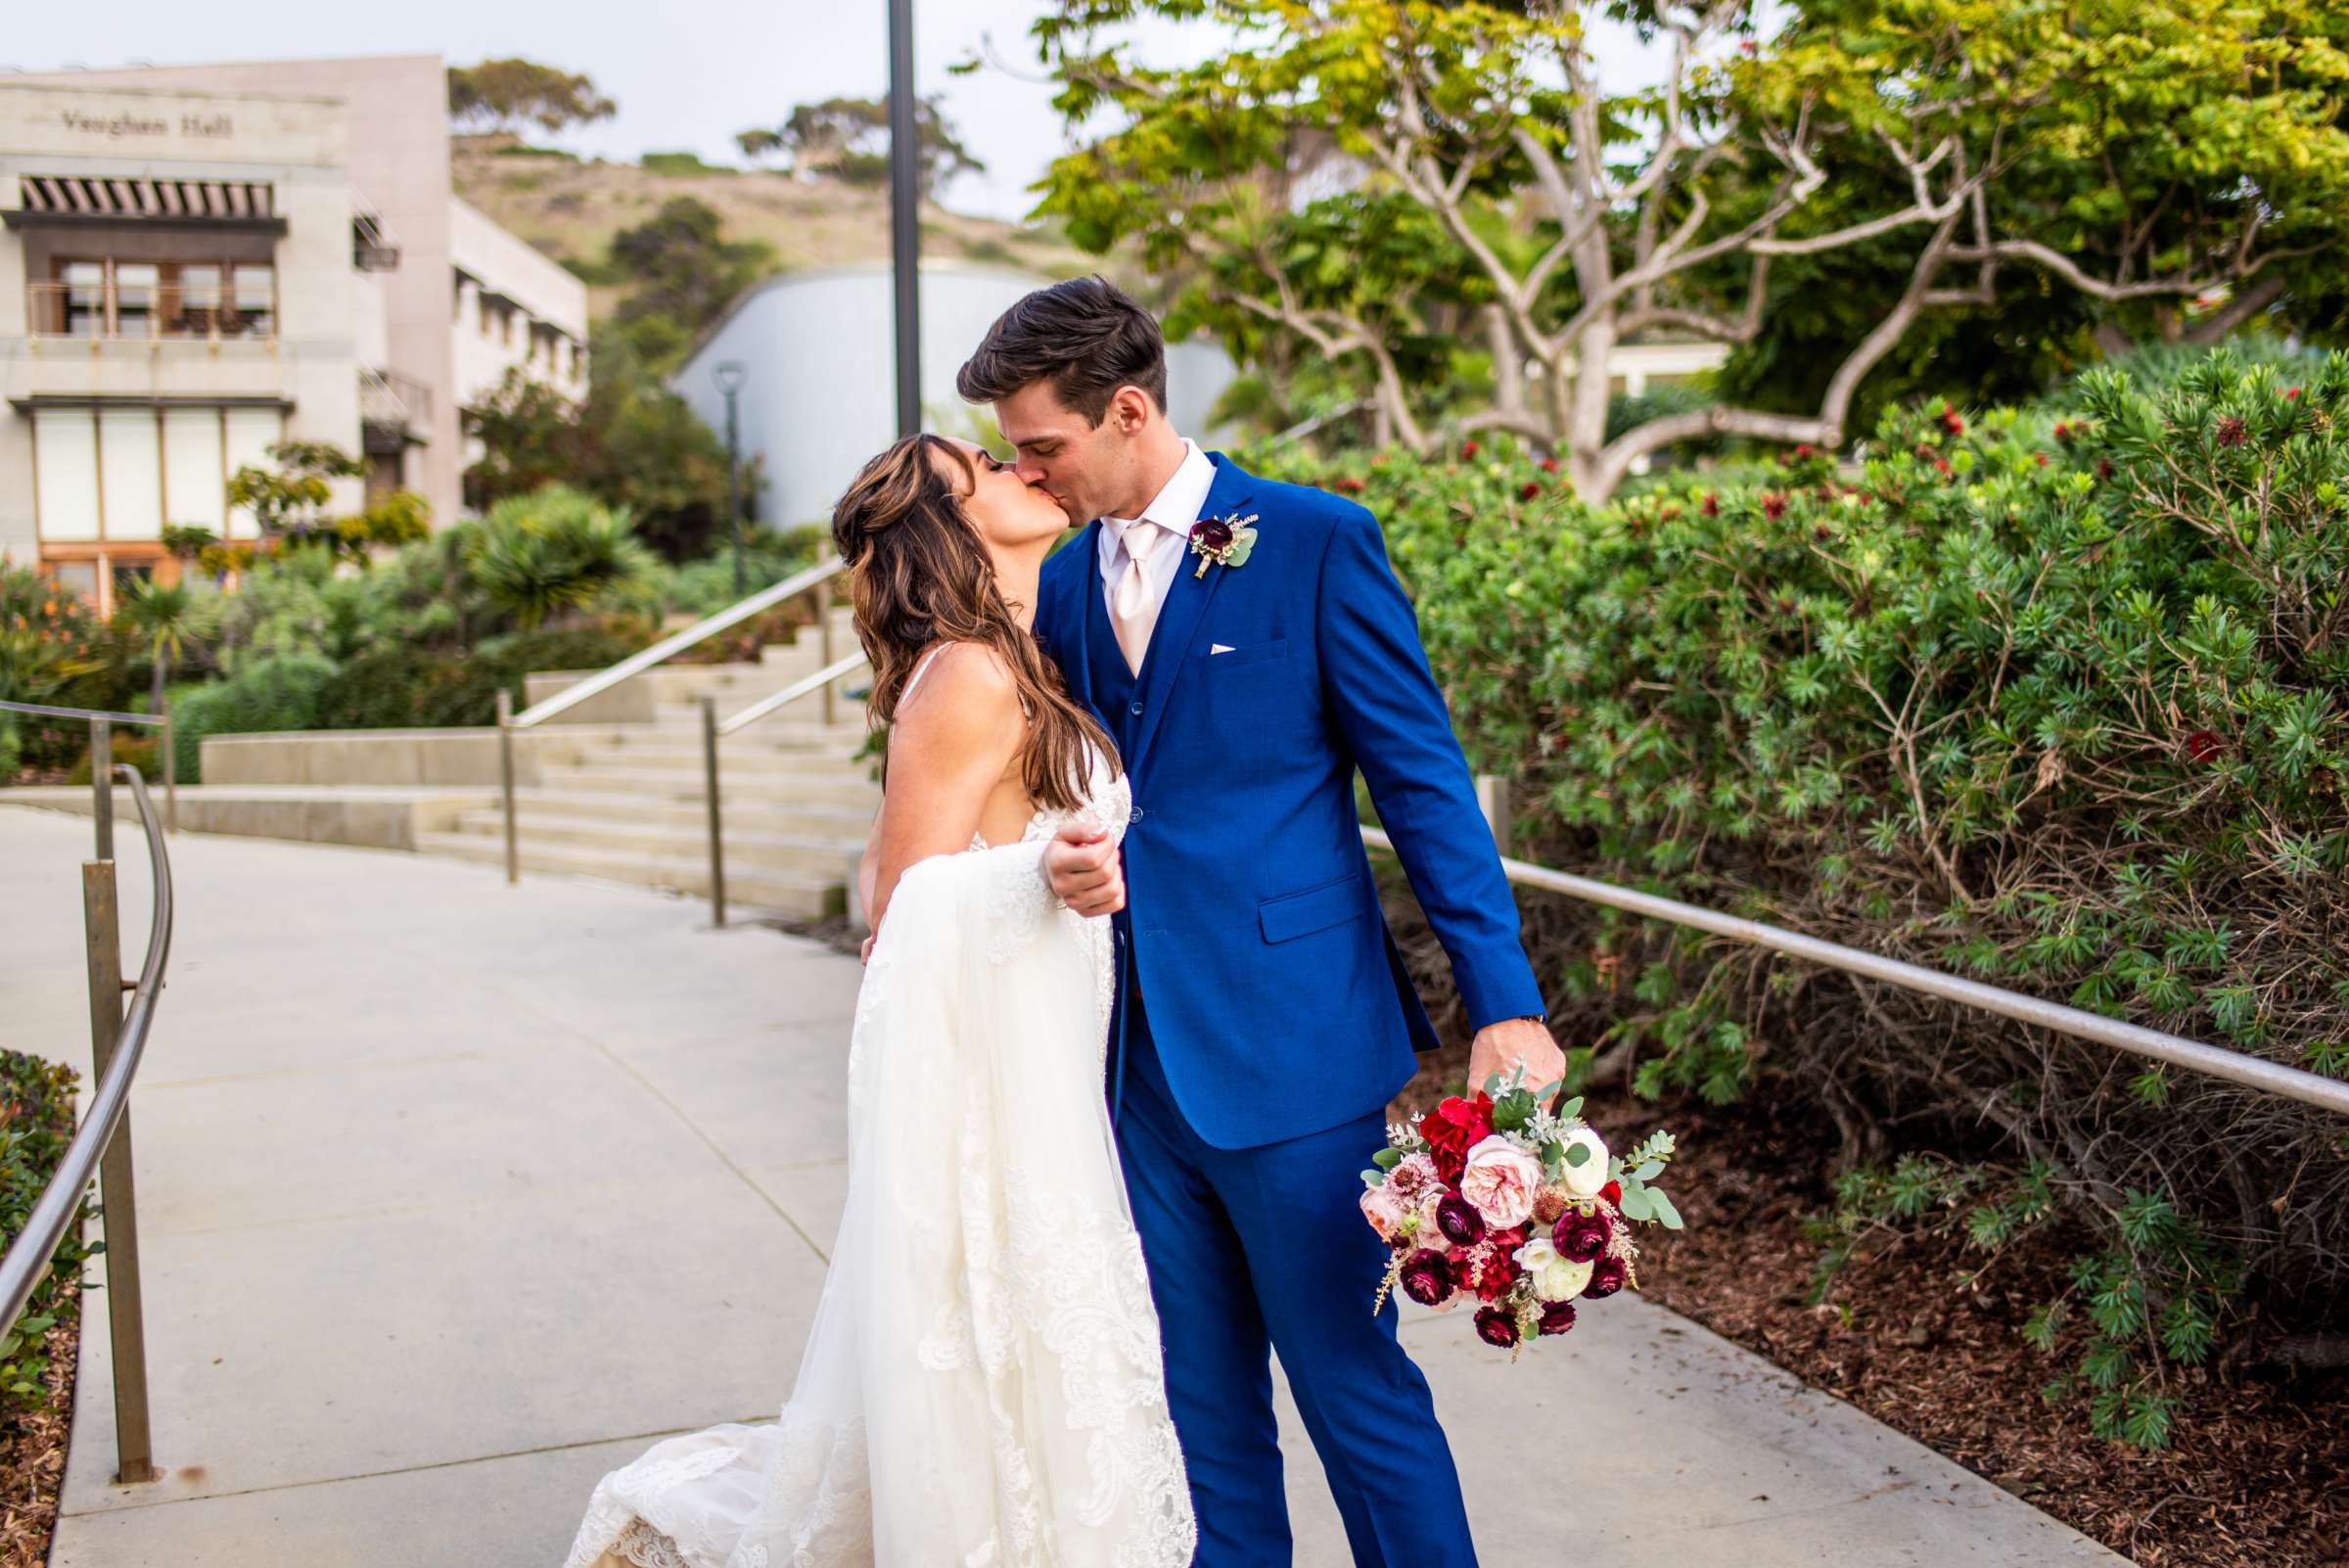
{"x":981,"y":1384}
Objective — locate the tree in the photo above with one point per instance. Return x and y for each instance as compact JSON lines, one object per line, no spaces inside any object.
{"x":503,"y":95}
{"x":288,"y":505}
{"x":165,"y":620}
{"x":2166,"y":169}
{"x":684,"y":271}
{"x":846,"y":139}
{"x":632,"y":444}
{"x":553,"y":552}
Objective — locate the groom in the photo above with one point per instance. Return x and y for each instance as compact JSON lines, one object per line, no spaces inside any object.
{"x":1265,"y":1017}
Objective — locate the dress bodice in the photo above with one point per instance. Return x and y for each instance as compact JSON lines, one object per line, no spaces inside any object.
{"x":1108,"y":803}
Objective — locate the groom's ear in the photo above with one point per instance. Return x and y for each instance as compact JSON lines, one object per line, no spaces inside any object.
{"x":1131,"y":410}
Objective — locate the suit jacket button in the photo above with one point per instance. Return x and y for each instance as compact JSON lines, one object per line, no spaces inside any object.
{"x":1136,"y":710}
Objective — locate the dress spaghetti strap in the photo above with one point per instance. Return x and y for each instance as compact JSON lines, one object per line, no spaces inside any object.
{"x":919,"y":671}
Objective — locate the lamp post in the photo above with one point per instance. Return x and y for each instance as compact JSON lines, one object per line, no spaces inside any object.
{"x":904,"y":211}
{"x":730,"y":376}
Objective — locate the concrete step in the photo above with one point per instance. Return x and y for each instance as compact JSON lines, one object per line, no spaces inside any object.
{"x":812,"y":786}
{"x":750,"y":811}
{"x":752,"y":746}
{"x":797,"y":896}
{"x":817,"y":855}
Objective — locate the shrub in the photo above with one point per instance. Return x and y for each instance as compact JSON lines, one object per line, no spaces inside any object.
{"x":279,"y":693}
{"x":53,"y":651}
{"x":553,"y":552}
{"x":2057,"y":699}
{"x":37,"y":1124}
{"x":404,"y":688}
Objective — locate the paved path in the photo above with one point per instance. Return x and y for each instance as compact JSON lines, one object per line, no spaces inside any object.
{"x":454,"y":1195}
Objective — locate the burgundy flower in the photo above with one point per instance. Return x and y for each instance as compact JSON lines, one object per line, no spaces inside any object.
{"x":1557,"y":1317}
{"x":1607,"y":1277}
{"x":1459,"y":1221}
{"x":1528,"y":490}
{"x":1581,"y":1237}
{"x":2103,"y":468}
{"x":1774,"y":507}
{"x":1427,"y":1278}
{"x":1468,"y":449}
{"x":1952,"y":423}
{"x":1712,"y":506}
{"x":1349,"y":484}
{"x":2203,"y":746}
{"x":1497,"y":1271}
{"x":2232,"y":432}
{"x":1497,"y":1326}
{"x":1212,"y":535}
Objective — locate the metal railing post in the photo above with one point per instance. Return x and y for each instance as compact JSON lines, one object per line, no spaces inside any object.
{"x":170,"y":776}
{"x":118,"y":1208}
{"x":505,"y":781}
{"x":1495,"y":800}
{"x":102,"y":786}
{"x":823,"y":621}
{"x":718,"y":835}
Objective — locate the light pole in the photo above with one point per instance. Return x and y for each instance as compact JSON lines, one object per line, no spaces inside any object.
{"x":730,"y":376}
{"x":904,"y":214}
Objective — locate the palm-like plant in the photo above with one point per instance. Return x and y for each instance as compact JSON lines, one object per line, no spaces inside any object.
{"x":167,"y":619}
{"x":553,"y":552}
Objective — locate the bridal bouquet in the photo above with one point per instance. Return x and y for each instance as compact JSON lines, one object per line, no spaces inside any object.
{"x":1520,"y":1208}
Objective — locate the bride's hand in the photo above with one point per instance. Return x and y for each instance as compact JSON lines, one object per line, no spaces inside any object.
{"x":1081,"y":866}
{"x":866,"y":956}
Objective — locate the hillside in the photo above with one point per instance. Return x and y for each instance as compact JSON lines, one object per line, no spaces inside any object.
{"x":571,"y":208}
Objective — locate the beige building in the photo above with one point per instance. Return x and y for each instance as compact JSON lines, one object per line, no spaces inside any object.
{"x":199,"y":262}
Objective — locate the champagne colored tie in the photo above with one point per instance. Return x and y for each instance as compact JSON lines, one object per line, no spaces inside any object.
{"x":1132,"y":609}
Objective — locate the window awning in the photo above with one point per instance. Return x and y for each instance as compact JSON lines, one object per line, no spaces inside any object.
{"x":74,"y":198}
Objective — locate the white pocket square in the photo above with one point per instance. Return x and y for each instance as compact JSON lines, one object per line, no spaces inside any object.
{"x":1215,"y":648}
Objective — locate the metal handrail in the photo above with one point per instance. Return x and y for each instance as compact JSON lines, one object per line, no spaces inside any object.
{"x":804,"y":686}
{"x":734,"y":615}
{"x":816,"y":579}
{"x":100,"y":718}
{"x":118,"y":1052}
{"x":714,"y":731}
{"x":2252,"y":1071}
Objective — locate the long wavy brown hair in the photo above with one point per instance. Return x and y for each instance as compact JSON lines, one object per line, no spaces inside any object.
{"x":920,"y":576}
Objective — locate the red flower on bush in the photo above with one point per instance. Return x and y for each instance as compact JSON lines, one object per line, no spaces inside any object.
{"x":2291,"y":393}
{"x":1802,"y":449}
{"x":2203,"y":746}
{"x":1453,"y":1128}
{"x":1952,"y":423}
{"x":1348,"y":484}
{"x":1468,"y":449}
{"x":1712,"y":506}
{"x":2043,"y":458}
{"x":2233,"y":432}
{"x":2103,"y":468}
{"x":1549,"y":465}
{"x":1774,"y":507}
{"x":1941,"y":465}
{"x":1528,"y":490}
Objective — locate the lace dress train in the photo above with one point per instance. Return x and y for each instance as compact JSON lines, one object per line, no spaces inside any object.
{"x":981,"y":1384}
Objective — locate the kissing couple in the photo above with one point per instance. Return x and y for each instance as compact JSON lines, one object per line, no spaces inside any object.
{"x":1131,"y":1015}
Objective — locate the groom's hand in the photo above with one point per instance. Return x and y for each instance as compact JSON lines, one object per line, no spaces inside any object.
{"x":1081,"y":866}
{"x":1500,"y":1047}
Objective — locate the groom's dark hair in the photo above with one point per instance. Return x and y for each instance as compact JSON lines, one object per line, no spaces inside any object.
{"x":1085,"y":337}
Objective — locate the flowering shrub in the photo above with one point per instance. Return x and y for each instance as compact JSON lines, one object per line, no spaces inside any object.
{"x":2058,"y":699}
{"x":36,"y":1122}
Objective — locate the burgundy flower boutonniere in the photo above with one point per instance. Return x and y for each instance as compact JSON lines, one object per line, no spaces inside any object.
{"x":1223,"y":541}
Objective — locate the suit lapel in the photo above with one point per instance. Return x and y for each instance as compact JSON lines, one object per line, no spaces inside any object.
{"x":1083,"y":618}
{"x":1186,"y":602}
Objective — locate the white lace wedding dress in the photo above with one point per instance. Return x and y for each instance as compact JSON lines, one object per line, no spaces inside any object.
{"x":981,"y":1384}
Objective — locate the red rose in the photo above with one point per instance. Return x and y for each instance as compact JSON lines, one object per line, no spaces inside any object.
{"x":1212,"y":535}
{"x":1613,"y":1193}
{"x":1557,"y":1317}
{"x":1453,"y":1128}
{"x":1607,"y":1277}
{"x":1497,"y":1326}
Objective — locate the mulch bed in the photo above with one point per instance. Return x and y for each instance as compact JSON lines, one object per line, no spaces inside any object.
{"x":2258,"y":1473}
{"x":32,"y":1453}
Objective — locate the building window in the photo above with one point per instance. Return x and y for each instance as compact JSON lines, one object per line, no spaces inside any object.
{"x":100,"y":296}
{"x":118,"y":475}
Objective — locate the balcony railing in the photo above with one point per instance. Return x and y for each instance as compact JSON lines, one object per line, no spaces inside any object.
{"x":395,"y":404}
{"x":148,"y":312}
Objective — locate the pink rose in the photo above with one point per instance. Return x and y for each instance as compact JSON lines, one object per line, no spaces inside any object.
{"x":1502,"y":1180}
{"x":1385,"y":1211}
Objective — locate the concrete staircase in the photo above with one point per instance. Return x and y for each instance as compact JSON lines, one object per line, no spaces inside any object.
{"x":623,"y":800}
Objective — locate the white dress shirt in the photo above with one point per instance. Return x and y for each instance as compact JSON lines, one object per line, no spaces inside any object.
{"x":1174,"y":509}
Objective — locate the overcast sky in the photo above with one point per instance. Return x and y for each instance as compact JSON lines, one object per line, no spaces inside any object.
{"x":687,"y":74}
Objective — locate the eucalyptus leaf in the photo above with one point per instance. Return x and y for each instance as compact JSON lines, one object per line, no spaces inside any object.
{"x":1577,"y":1155}
{"x":1387,"y":1159}
{"x":1638,"y":1204}
{"x":1374,"y":1178}
{"x":1668,"y":1216}
{"x":1648,"y":1171}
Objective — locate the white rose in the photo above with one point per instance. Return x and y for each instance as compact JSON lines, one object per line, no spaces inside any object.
{"x":1554,"y":1277}
{"x":1585,"y":1179}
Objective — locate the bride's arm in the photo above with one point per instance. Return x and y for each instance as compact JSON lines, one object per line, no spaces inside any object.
{"x":947,"y":751}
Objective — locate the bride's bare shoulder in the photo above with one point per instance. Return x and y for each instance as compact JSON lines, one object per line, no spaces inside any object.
{"x":964,"y":697}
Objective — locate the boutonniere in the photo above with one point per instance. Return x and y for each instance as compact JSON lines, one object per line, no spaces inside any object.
{"x":1223,"y":541}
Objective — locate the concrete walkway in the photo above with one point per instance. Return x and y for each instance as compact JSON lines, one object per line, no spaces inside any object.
{"x":455,"y":1195}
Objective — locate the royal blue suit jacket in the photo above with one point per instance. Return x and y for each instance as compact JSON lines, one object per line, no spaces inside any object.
{"x":1279,"y":1004}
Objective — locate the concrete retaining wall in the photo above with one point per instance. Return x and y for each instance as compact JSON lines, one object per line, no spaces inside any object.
{"x":390,"y":756}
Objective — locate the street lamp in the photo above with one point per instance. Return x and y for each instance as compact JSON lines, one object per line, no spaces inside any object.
{"x":904,"y":208}
{"x":730,"y":376}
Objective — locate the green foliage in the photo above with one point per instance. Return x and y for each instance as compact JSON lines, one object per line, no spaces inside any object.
{"x":688,"y":164}
{"x":2056,"y":698}
{"x":273,"y":693}
{"x":504,"y":95}
{"x":554,"y":552}
{"x":681,"y":272}
{"x":53,"y":651}
{"x":633,"y":444}
{"x":403,"y":687}
{"x":846,"y":139}
{"x":37,"y":1124}
{"x":290,"y":506}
